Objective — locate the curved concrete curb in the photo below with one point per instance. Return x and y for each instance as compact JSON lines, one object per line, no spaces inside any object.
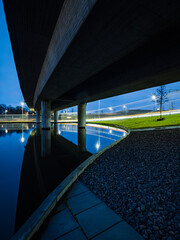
{"x":32,"y":225}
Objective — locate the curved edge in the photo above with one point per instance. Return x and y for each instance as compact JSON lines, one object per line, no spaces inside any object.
{"x":31,"y":226}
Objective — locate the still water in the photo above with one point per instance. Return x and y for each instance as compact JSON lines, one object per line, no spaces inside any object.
{"x":33,"y":162}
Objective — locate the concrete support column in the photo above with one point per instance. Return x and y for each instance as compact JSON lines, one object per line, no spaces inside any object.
{"x":46,"y":114}
{"x":38,"y":116}
{"x":82,"y":139}
{"x":82,"y":115}
{"x":56,"y":128}
{"x":56,"y":117}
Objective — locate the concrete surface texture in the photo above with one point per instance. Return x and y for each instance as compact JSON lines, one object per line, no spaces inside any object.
{"x":81,"y":215}
{"x":80,"y":51}
{"x":139,"y":179}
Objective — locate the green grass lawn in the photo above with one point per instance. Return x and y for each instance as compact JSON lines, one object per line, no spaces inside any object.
{"x":146,"y":122}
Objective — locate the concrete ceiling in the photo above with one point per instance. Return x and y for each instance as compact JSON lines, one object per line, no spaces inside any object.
{"x":96,"y":49}
{"x":30,"y":25}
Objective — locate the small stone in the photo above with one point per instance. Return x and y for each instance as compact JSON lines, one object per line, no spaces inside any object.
{"x":156,"y":228}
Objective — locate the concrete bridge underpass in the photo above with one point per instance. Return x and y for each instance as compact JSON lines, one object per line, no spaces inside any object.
{"x":70,"y":52}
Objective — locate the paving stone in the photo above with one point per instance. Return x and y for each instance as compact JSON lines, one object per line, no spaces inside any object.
{"x":97,"y":219}
{"x":76,"y":189}
{"x":121,"y":231}
{"x":82,"y":202}
{"x":76,"y":234}
{"x":60,"y":224}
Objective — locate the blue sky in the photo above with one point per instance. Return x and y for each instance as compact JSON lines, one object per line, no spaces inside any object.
{"x":10,"y":92}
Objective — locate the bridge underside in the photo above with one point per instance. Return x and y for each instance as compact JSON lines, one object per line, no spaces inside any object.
{"x":111,"y":48}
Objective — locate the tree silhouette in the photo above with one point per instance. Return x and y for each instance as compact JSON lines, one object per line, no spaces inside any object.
{"x":161,"y":95}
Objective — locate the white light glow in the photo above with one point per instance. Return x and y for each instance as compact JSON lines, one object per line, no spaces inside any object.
{"x":110,"y":131}
{"x":97,"y":145}
{"x":22,"y":103}
{"x":59,"y":132}
{"x":110,"y":108}
{"x":6,"y":131}
{"x":22,"y":139}
{"x":154,"y":97}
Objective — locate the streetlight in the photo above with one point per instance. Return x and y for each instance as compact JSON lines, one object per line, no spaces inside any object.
{"x":22,"y":104}
{"x":125,"y":108}
{"x":155,"y":101}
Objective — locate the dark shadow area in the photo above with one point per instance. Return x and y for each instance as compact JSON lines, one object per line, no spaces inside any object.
{"x":41,"y":174}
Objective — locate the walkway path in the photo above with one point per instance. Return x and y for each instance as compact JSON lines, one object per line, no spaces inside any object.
{"x":81,"y":215}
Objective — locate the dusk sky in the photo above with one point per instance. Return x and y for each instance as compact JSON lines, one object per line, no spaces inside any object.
{"x":10,"y":92}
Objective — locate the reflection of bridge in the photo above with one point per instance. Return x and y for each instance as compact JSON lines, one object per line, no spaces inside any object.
{"x":39,"y":176}
{"x":72,"y":52}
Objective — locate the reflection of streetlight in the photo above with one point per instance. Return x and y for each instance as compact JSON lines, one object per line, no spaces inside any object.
{"x":97,"y":145}
{"x":22,"y":137}
{"x":155,"y":102}
{"x":110,"y":131}
{"x":6,"y":131}
{"x":22,"y":104}
{"x":110,"y":108}
{"x":59,"y":132}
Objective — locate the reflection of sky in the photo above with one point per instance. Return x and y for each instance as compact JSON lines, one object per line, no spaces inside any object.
{"x":12,"y":146}
{"x":11,"y":158}
{"x":96,"y":138}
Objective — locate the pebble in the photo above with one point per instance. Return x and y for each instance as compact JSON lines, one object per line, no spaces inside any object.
{"x":139,"y":179}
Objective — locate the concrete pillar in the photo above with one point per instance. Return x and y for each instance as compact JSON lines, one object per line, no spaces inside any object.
{"x":82,"y":139}
{"x":46,"y":114}
{"x":82,"y":115}
{"x":56,"y":128}
{"x":38,"y":116}
{"x":45,"y":143}
{"x":56,"y":117}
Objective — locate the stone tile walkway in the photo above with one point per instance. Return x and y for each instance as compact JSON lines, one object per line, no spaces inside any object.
{"x":81,"y":216}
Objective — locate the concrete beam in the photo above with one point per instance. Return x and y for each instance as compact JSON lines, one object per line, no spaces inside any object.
{"x":82,"y":115}
{"x":46,"y":114}
{"x":71,"y":18}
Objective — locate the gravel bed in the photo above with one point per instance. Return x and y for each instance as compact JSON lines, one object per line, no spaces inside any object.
{"x":140,"y":180}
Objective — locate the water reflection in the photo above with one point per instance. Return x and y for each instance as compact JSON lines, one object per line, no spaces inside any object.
{"x":52,"y":159}
{"x":34,"y":162}
{"x":45,"y":143}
